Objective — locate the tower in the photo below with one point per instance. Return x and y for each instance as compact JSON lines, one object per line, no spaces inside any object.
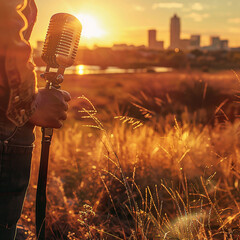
{"x":152,"y":38}
{"x":175,"y":31}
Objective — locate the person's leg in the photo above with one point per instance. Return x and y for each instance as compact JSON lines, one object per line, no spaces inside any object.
{"x":15,"y":164}
{"x":7,"y":233}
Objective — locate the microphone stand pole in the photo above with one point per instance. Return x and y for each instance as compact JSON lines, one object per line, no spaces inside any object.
{"x":53,"y":81}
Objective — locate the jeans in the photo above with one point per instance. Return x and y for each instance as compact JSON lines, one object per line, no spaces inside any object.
{"x":16,"y":146}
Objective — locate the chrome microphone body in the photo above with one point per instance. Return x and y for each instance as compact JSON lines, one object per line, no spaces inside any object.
{"x":60,"y":46}
{"x":61,"y":42}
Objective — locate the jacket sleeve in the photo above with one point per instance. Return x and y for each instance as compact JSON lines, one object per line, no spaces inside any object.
{"x":19,"y":69}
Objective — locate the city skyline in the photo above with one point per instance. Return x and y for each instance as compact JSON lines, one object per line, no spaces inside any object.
{"x":127,"y":22}
{"x":191,"y":43}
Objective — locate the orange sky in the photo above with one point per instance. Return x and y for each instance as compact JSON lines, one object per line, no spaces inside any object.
{"x":127,"y":21}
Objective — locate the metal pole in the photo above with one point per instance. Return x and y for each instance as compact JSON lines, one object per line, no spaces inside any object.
{"x":42,"y":183}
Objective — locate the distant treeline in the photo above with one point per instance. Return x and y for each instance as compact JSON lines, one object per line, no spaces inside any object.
{"x":141,"y":58}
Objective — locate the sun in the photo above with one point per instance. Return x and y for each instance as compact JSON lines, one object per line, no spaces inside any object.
{"x":90,"y":26}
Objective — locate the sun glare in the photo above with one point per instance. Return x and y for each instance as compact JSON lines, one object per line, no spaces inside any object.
{"x":90,"y":26}
{"x":80,"y":69}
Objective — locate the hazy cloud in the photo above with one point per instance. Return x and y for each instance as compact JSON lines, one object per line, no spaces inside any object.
{"x":197,"y":6}
{"x":139,"y":8}
{"x":234,"y":20}
{"x":234,"y":30}
{"x":198,"y":17}
{"x":167,"y":5}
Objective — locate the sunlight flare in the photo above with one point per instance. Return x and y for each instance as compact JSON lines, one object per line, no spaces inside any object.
{"x":80,"y":69}
{"x":91,"y":26}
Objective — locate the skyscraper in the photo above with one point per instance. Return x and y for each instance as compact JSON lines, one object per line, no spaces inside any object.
{"x":175,"y":31}
{"x":152,"y":38}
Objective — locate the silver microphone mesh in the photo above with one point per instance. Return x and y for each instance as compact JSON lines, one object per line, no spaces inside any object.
{"x":62,"y":39}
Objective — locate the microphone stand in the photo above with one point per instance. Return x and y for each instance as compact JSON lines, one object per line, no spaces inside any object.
{"x":53,"y":80}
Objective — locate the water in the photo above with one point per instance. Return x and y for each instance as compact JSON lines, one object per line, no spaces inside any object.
{"x":89,"y":69}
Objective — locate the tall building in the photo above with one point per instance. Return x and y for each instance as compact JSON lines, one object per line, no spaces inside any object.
{"x":175,"y":31}
{"x":195,"y":41}
{"x":152,"y":40}
{"x":224,"y":44}
{"x":159,"y":45}
{"x":215,"y":43}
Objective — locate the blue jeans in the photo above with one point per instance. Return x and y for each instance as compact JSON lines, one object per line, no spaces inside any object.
{"x":16,"y":146}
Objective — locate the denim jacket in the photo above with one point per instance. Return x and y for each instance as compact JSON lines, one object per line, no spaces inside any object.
{"x":17,"y":75}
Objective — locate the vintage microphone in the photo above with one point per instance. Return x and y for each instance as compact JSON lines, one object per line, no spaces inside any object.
{"x":59,"y":52}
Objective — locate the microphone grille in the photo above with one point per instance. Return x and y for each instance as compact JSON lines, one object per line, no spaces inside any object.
{"x":62,"y":39}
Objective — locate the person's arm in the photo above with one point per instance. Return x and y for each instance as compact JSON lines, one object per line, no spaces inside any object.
{"x":46,"y":108}
{"x":19,"y":69}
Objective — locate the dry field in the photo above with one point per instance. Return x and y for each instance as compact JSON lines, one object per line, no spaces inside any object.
{"x":144,"y":156}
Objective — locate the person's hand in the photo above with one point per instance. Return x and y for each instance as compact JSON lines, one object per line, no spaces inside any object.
{"x":51,"y":108}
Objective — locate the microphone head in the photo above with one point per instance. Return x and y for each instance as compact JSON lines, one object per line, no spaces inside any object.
{"x":61,"y":42}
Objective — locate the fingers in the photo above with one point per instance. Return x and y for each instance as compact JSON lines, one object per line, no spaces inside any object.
{"x":63,"y":116}
{"x":56,"y":124}
{"x":57,"y":121}
{"x":61,"y":110}
{"x":65,"y":106}
{"x":66,"y":95}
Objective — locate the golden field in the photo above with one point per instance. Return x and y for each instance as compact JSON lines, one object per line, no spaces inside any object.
{"x":144,"y":156}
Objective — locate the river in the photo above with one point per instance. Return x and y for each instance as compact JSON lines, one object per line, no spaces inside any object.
{"x":89,"y":69}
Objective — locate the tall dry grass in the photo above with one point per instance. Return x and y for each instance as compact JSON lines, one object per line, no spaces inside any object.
{"x":159,"y":178}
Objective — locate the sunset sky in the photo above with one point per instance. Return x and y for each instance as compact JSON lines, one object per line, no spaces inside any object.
{"x":106,"y":22}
